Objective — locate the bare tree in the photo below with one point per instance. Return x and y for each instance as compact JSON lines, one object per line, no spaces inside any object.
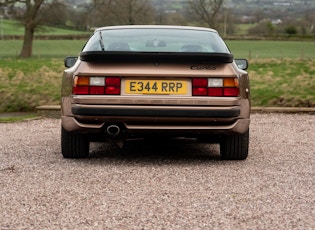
{"x":118,"y":12}
{"x":206,"y":10}
{"x":132,"y":11}
{"x":97,"y":13}
{"x":34,"y":13}
{"x":30,"y":21}
{"x":309,"y":21}
{"x":55,"y":13}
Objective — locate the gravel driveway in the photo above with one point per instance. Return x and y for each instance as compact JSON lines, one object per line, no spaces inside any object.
{"x":173,"y":185}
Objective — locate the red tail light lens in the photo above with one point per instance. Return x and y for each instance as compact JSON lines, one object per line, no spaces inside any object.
{"x":97,"y":90}
{"x":215,"y":92}
{"x":112,"y":81}
{"x":231,"y":92}
{"x":199,"y":91}
{"x":112,"y":86}
{"x":200,"y":82}
{"x":112,"y":90}
{"x":96,"y":85}
{"x":80,"y":90}
{"x":200,"y":86}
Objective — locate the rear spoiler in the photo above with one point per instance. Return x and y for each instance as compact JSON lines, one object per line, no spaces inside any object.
{"x":168,"y":57}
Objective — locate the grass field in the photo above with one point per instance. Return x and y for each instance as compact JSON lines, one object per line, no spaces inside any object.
{"x":42,"y":48}
{"x":287,"y":82}
{"x":252,"y":50}
{"x":281,"y":73}
{"x":272,"y":49}
{"x":10,"y":27}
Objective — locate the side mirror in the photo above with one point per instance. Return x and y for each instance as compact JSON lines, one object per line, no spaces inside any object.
{"x":241,"y":63}
{"x":70,"y":61}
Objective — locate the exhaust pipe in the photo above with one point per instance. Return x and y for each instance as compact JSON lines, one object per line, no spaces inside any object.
{"x":113,"y":130}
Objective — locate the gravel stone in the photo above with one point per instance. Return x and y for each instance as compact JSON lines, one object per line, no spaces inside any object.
{"x":178,"y":184}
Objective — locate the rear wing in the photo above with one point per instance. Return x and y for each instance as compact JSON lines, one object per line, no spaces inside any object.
{"x":168,"y":57}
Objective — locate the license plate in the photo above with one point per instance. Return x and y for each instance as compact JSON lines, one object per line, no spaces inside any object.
{"x":156,"y":87}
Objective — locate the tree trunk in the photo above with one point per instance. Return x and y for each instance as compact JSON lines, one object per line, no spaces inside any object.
{"x":27,"y":42}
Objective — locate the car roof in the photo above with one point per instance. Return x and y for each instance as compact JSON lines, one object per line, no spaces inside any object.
{"x":155,"y":27}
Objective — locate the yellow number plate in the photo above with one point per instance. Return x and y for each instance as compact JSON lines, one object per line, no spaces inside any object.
{"x":156,"y":87}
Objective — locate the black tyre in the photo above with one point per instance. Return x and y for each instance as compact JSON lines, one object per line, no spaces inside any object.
{"x":235,"y":147}
{"x":74,"y":145}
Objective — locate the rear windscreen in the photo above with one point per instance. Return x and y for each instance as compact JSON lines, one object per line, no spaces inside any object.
{"x":156,"y":40}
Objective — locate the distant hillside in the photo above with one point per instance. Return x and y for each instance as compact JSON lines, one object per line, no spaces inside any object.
{"x":234,"y":3}
{"x":247,"y":7}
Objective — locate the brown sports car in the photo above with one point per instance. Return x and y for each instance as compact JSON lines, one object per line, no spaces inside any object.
{"x":152,"y":82}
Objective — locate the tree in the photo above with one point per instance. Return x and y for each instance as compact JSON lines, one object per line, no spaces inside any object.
{"x":120,"y":12}
{"x":264,"y":28}
{"x":309,"y":21}
{"x":56,"y":13}
{"x":290,"y":30}
{"x":30,"y":21}
{"x":206,"y":10}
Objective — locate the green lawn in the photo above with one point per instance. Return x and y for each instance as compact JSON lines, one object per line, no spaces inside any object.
{"x":43,"y":48}
{"x":26,"y":83}
{"x":288,"y":83}
{"x":10,"y":27}
{"x":272,"y":49}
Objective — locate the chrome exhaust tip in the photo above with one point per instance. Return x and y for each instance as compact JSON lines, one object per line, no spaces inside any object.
{"x":113,"y":130}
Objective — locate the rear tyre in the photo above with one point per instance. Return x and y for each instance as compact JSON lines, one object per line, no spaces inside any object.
{"x":235,"y":147}
{"x":74,"y":145}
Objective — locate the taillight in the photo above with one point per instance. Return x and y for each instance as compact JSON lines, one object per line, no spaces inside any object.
{"x":112,"y":86}
{"x":215,"y":87}
{"x":96,"y":85}
{"x":200,"y":86}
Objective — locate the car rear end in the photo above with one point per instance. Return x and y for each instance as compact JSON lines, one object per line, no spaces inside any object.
{"x":117,"y":95}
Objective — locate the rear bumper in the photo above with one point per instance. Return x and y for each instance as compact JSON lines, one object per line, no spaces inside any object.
{"x":155,"y":111}
{"x":182,"y":119}
{"x":236,"y":126}
{"x":143,"y":120}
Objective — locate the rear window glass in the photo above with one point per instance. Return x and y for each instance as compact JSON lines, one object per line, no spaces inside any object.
{"x":156,"y":40}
